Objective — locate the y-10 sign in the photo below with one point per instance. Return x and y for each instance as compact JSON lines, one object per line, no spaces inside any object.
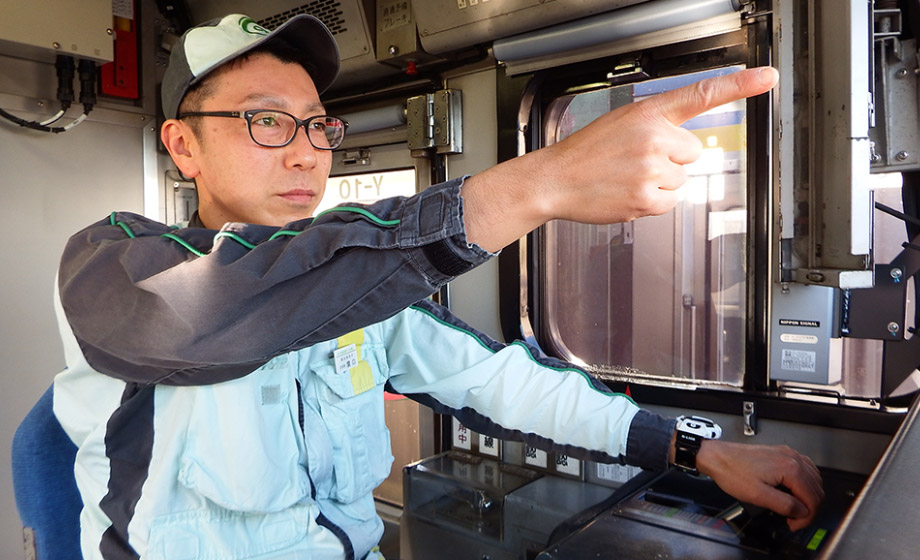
{"x":367,"y":188}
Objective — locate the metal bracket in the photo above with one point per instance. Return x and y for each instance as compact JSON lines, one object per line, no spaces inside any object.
{"x":750,"y":418}
{"x":877,"y":312}
{"x":435,"y":121}
{"x":361,"y":156}
{"x":897,"y":142}
{"x":901,"y":356}
{"x":886,"y":23}
{"x":181,"y":197}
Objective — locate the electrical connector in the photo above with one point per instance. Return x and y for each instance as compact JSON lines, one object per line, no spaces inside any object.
{"x":65,"y":72}
{"x":87,"y":70}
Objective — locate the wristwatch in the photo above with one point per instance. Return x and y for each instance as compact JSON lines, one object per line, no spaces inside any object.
{"x":691,"y":431}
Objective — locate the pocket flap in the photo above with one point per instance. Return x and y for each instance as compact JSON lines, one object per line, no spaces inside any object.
{"x":371,"y":370}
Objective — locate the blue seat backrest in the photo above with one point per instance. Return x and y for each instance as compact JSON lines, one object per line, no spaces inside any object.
{"x":43,"y":481}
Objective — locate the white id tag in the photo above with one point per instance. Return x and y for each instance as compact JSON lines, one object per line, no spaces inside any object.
{"x":345,"y":358}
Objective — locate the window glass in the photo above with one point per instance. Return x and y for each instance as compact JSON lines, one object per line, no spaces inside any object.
{"x":663,"y":295}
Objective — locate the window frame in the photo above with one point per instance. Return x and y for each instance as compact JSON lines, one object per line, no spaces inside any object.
{"x":522,"y":100}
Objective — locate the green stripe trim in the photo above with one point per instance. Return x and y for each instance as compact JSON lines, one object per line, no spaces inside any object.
{"x":525,"y":348}
{"x":122,"y":225}
{"x":284,"y":233}
{"x":578,"y":371}
{"x":184,"y":243}
{"x":363,"y":212}
{"x":236,"y":238}
{"x":455,"y":327}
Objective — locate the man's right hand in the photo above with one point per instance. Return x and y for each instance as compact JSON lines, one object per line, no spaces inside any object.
{"x":753,"y":473}
{"x":626,"y":164}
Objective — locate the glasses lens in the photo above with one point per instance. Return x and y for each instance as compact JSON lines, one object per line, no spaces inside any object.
{"x":272,"y":128}
{"x":326,"y":133}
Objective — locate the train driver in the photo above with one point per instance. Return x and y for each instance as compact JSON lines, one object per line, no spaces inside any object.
{"x":227,"y":396}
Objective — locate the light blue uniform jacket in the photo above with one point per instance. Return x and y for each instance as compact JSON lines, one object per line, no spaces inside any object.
{"x":203,"y":392}
{"x":282,"y":463}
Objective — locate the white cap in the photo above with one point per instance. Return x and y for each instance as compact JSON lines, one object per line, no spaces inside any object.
{"x":209,"y":45}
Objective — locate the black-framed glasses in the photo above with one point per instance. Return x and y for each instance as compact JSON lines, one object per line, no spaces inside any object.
{"x":276,"y":129}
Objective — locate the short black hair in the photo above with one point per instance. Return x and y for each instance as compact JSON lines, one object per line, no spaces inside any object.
{"x":279,"y":48}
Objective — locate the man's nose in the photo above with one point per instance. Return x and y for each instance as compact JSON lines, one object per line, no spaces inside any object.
{"x":300,"y":152}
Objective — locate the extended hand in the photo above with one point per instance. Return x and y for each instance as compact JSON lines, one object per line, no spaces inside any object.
{"x":624,"y":165}
{"x":629,"y":162}
{"x":752,"y":473}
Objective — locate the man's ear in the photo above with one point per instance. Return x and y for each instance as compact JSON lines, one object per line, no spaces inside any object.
{"x":182,"y":145}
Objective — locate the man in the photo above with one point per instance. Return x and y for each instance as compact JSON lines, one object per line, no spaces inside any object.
{"x":227,"y":399}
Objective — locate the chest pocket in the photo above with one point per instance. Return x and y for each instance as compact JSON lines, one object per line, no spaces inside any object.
{"x":244,"y":444}
{"x":352,"y":407}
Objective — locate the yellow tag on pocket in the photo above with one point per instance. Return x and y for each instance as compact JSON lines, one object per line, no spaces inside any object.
{"x":362,"y":378}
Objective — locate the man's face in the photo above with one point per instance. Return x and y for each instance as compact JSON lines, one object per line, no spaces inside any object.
{"x":240,"y":181}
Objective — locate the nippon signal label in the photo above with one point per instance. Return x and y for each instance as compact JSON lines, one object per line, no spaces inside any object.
{"x":800,"y":323}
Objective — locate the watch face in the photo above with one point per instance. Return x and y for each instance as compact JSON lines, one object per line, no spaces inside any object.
{"x":685,"y":459}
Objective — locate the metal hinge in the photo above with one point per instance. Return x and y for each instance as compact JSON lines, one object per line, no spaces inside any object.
{"x":435,"y":122}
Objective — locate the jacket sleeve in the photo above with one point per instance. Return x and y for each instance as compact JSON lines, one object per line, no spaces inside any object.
{"x":151,"y":304}
{"x":515,"y":392}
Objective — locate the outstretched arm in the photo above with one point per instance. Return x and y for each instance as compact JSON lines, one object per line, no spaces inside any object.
{"x":624,"y":165}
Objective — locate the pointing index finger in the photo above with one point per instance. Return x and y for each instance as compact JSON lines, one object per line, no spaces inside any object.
{"x":682,"y":104}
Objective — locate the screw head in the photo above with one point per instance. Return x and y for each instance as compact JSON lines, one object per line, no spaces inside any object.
{"x":896,"y":273}
{"x":815,"y":276}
